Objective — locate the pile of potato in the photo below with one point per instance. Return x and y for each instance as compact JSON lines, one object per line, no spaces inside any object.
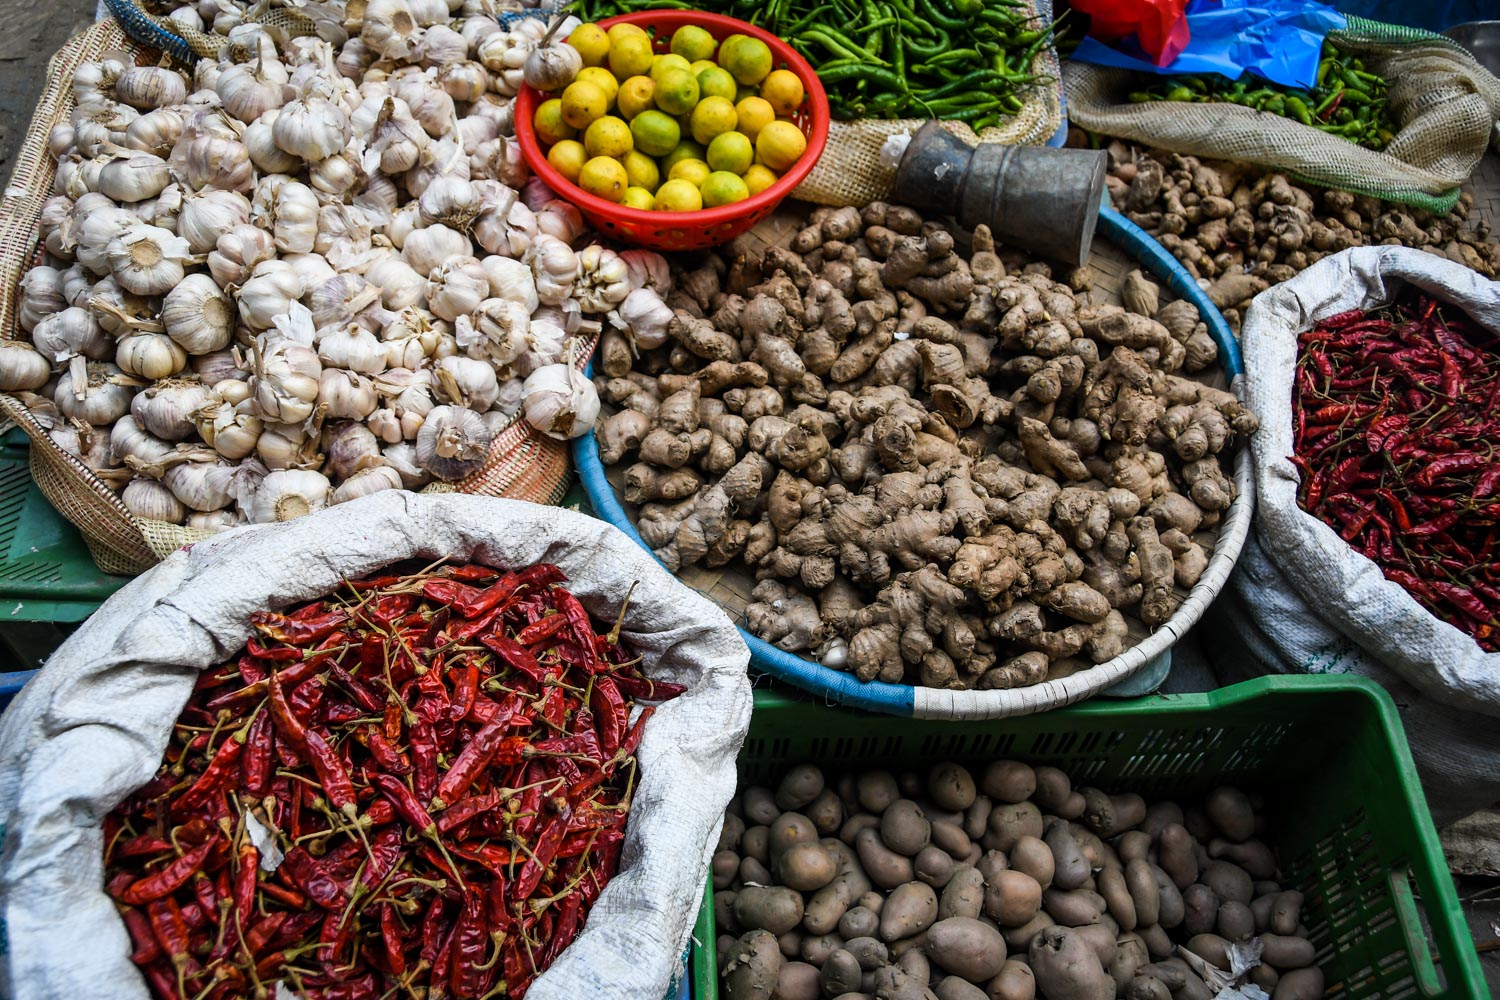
{"x":1008,"y":884}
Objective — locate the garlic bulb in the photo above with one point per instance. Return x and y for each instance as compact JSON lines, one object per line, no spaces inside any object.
{"x":453,"y":443}
{"x":287,"y":446}
{"x":284,"y":382}
{"x":362,"y":484}
{"x":499,"y":159}
{"x":260,"y":143}
{"x":340,"y":298}
{"x":555,"y":266}
{"x":354,"y":58}
{"x":644,"y":316}
{"x":94,"y":81}
{"x":504,"y":55}
{"x":313,"y":129}
{"x":497,"y":333}
{"x":547,"y":346}
{"x":441,"y":158}
{"x":510,"y":279}
{"x":312,"y":269}
{"x":134,"y":445}
{"x":390,"y":29}
{"x":77,"y":286}
{"x":204,"y":485}
{"x":134,"y":177}
{"x":96,"y":128}
{"x":509,"y":402}
{"x":150,"y":355}
{"x":560,"y":402}
{"x":403,"y":458}
{"x":197,"y":315}
{"x":213,"y":161}
{"x":561,"y":219}
{"x":399,"y":283}
{"x":337,"y":174}
{"x":217,"y":367}
{"x":349,"y":446}
{"x":93,"y":230}
{"x":450,"y":201}
{"x":426,"y":249}
{"x":293,"y":211}
{"x":407,"y":395}
{"x":463,"y":80}
{"x":268,"y":293}
{"x":99,"y":395}
{"x":21,"y":367}
{"x":394,"y":139}
{"x":147,"y":87}
{"x":53,"y":222}
{"x":154,"y":132}
{"x":287,"y":494}
{"x":149,"y":499}
{"x":72,"y":332}
{"x":648,"y":269}
{"x":475,"y":130}
{"x":552,"y":66}
{"x":208,"y":215}
{"x":213,"y":520}
{"x":509,"y":233}
{"x":603,"y":279}
{"x":352,"y":348}
{"x":248,"y":91}
{"x":147,"y":260}
{"x":166,"y":408}
{"x":463,"y":381}
{"x":346,"y":395}
{"x":456,"y":287}
{"x":431,"y":107}
{"x":41,"y":295}
{"x":497,"y":109}
{"x":342,"y":226}
{"x":231,"y":429}
{"x":237,"y":252}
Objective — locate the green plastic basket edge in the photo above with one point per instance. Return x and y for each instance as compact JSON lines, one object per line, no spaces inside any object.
{"x":1444,"y":914}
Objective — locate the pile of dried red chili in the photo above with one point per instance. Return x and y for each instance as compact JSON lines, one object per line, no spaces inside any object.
{"x":1396,"y":435}
{"x":446,"y":759}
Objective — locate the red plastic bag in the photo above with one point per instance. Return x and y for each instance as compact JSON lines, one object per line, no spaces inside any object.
{"x":1159,"y":25}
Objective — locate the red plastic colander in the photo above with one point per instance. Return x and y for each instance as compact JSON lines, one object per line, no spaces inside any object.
{"x":710,"y":226}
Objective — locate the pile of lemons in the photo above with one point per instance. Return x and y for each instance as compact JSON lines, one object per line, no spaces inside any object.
{"x":677,"y":131}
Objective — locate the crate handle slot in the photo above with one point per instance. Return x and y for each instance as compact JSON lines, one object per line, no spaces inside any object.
{"x":1419,"y":943}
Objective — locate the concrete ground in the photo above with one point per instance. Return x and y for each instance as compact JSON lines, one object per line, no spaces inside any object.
{"x":31,"y":32}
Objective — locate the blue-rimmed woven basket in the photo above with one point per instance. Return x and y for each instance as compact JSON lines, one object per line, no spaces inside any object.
{"x":906,"y":700}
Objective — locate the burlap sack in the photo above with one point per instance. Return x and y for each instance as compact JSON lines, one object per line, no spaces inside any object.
{"x":522,"y":465}
{"x":1444,"y":103}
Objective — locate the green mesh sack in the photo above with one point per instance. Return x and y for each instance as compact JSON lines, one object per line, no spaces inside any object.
{"x":1444,"y":104}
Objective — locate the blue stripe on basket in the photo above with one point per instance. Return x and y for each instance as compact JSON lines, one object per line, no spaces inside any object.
{"x":138,"y":26}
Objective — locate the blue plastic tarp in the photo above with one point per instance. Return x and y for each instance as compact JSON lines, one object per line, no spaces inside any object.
{"x":1278,"y":40}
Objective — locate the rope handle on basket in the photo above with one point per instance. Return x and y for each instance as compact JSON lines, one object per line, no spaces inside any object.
{"x":140,"y":26}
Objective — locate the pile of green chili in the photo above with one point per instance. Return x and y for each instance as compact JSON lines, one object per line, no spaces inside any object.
{"x":1348,"y":101}
{"x":895,"y":58}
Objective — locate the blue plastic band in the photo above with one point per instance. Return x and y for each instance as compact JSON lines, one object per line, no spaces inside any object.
{"x":146,"y":31}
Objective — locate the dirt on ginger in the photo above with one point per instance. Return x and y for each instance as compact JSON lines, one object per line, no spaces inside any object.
{"x":943,"y":466}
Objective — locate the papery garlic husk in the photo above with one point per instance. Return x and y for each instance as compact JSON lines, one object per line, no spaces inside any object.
{"x":547,"y":346}
{"x":233,"y":391}
{"x":498,"y":109}
{"x":269,"y":293}
{"x":134,"y":445}
{"x":399,"y":283}
{"x":166,"y":408}
{"x":260,"y":142}
{"x":512,"y":280}
{"x":403,"y":222}
{"x":313,"y":129}
{"x":385,"y":425}
{"x":232,"y":430}
{"x":648,"y":269}
{"x":163,"y":209}
{"x":53,"y":222}
{"x":351,"y":347}
{"x":148,"y":87}
{"x":453,"y":443}
{"x":339,"y":299}
{"x":463,"y":80}
{"x":97,"y":128}
{"x":208,"y":215}
{"x":395,"y":140}
{"x":508,"y":403}
{"x":509,"y":233}
{"x":367,"y":481}
{"x":349,"y":446}
{"x":76,"y":178}
{"x":500,"y":159}
{"x":555,"y":266}
{"x":237,"y":252}
{"x":77,"y":285}
{"x":249,"y":90}
{"x":60,"y":140}
{"x":441,"y":158}
{"x":287,"y":446}
{"x":565,"y":315}
{"x":214,"y":520}
{"x":284,"y":382}
{"x":431,"y":106}
{"x":354,"y":58}
{"x":150,"y":500}
{"x":205,"y":485}
{"x":120,"y":312}
{"x":603,"y":279}
{"x":94,"y":81}
{"x":341,"y":225}
{"x":150,"y":355}
{"x":465,"y":381}
{"x":475,"y":130}
{"x":552,"y":66}
{"x":561,"y":219}
{"x":644,"y":316}
{"x":93,"y":229}
{"x":390,"y":29}
{"x":213,"y":161}
{"x":456,"y":287}
{"x":71,"y":332}
{"x":291,"y":209}
{"x":287,"y":494}
{"x":346,"y":395}
{"x":134,"y":177}
{"x":206,"y":75}
{"x":100,"y":396}
{"x":449,"y":201}
{"x":403,"y":458}
{"x":498,"y":332}
{"x":337,"y":174}
{"x":441,"y":45}
{"x":560,"y":402}
{"x":408,"y":398}
{"x":312,"y":268}
{"x":155,"y":131}
{"x":426,"y":249}
{"x":217,"y":366}
{"x":197,"y":315}
{"x":41,"y":295}
{"x":22,"y":368}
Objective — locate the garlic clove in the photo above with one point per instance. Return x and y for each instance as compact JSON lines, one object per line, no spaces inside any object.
{"x":362,"y":484}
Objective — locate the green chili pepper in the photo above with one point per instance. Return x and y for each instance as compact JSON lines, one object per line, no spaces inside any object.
{"x":1298,"y":110}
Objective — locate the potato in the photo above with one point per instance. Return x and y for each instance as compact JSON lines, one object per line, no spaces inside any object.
{"x":1236,"y":922}
{"x":858,"y":921}
{"x":1015,"y":981}
{"x":951,"y":838}
{"x":1173,"y":973}
{"x":1009,"y":822}
{"x":966,"y":947}
{"x":873,"y":900}
{"x":991,"y":864}
{"x":826,"y":812}
{"x":817,"y":947}
{"x":914,"y":963}
{"x":1303,"y":984}
{"x":905,"y":828}
{"x":1018,"y":939}
{"x":1284,"y":952}
{"x":751,"y":967}
{"x":1201,"y":909}
{"x":1158,"y":944}
{"x":1101,"y":938}
{"x":1073,"y":908}
{"x":1066,"y":968}
{"x":958,"y":988}
{"x":877,"y":790}
{"x":1265,"y":977}
{"x":1260,"y":887}
{"x":909,"y":909}
{"x":731,"y":832}
{"x":1074,"y":807}
{"x":724,"y":912}
{"x":847,"y":787}
{"x":1230,"y":811}
{"x":828,"y":905}
{"x":1170,"y":908}
{"x":841,"y":973}
{"x":756,"y":843}
{"x":1211,"y":948}
{"x":725,"y":866}
{"x":1070,"y":867}
{"x":1253,"y":856}
{"x":805,"y":867}
{"x":772,"y":908}
{"x":1286,"y":912}
{"x":1012,"y":898}
{"x":1228,"y":881}
{"x":1052,"y":788}
{"x":753,"y":871}
{"x":1008,"y":781}
{"x":797,"y":981}
{"x":854,"y":824}
{"x":977,"y":817}
{"x":1141,"y":882}
{"x":911,"y":785}
{"x":870,"y":952}
{"x":1130,"y":955}
{"x":722,"y":944}
{"x":760,"y":806}
{"x":1108,"y":815}
{"x":1175,"y":855}
{"x":844,"y":858}
{"x":790,"y":944}
{"x":1133,"y":844}
{"x":790,"y":828}
{"x":951,"y":786}
{"x":1147,"y":988}
{"x":1032,"y":856}
{"x":885,"y":867}
{"x":934,"y":866}
{"x":799,"y":786}
{"x":1095,"y":851}
{"x":963,"y":896}
{"x":1111,"y":885}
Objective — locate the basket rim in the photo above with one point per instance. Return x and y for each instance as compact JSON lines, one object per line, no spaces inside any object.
{"x":706,"y":218}
{"x":938,"y":703}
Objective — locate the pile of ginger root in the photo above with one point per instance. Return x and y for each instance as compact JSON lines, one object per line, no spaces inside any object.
{"x":943,"y":467}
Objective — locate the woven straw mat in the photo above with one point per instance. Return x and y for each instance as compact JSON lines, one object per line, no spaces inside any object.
{"x":522,"y":465}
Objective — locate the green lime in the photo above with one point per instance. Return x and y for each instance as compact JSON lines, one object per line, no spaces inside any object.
{"x":676,"y":91}
{"x":716,"y":82}
{"x":723,"y":188}
{"x":729,"y":151}
{"x":655,"y":134}
{"x":692,"y":42}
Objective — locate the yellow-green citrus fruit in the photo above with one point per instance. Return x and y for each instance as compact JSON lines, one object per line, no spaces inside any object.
{"x":784,"y":90}
{"x":687,"y":149}
{"x":692,"y":43}
{"x":655,"y":134}
{"x":582,"y":102}
{"x":678,"y":196}
{"x":729,"y":151}
{"x":676,"y":91}
{"x":630,"y":55}
{"x":601,"y":78}
{"x":759,"y":177}
{"x":667,"y":61}
{"x":780,"y":144}
{"x":713,"y":116}
{"x":636,"y":95}
{"x":567,"y":158}
{"x":749,"y":59}
{"x":638,"y":197}
{"x":591,"y":42}
{"x":549,"y":124}
{"x":754,"y":114}
{"x":642,"y":170}
{"x":604,"y":177}
{"x":715,"y":81}
{"x":608,"y":136}
{"x":723,"y":188}
{"x":693,"y":171}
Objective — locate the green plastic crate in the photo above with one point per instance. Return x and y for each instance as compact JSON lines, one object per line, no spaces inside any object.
{"x":1351,"y":827}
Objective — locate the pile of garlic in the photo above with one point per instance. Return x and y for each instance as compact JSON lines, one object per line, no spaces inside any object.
{"x":313,"y":272}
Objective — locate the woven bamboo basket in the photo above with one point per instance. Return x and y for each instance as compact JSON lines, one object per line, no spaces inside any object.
{"x":522,"y":464}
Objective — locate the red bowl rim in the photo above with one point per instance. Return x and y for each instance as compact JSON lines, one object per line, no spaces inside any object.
{"x":817,"y":98}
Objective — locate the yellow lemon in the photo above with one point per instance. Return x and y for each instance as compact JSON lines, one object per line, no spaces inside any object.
{"x":780,"y":144}
{"x":636,"y":95}
{"x":608,"y":136}
{"x":699,"y":65}
{"x":754,"y":114}
{"x":749,"y":59}
{"x":715,"y":81}
{"x":604,"y":177}
{"x":678,"y":196}
{"x":759,"y":177}
{"x":676,"y":91}
{"x":549,"y":124}
{"x":624,"y":28}
{"x":655,"y":134}
{"x":713,"y":116}
{"x":591,"y":42}
{"x":729,"y":151}
{"x":601,"y":78}
{"x":638,"y":197}
{"x":723,"y":188}
{"x":784,"y":90}
{"x":567,"y":158}
{"x":629,"y":55}
{"x":692,"y":42}
{"x":687,"y":149}
{"x":664,"y":62}
{"x":642,"y":170}
{"x":582,"y":102}
{"x":694,"y":172}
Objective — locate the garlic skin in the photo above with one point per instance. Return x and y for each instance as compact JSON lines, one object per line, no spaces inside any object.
{"x":165,"y":409}
{"x":22,"y":368}
{"x":463,"y":80}
{"x":148,"y":87}
{"x":394,"y":139}
{"x":504,"y":55}
{"x":337,"y":174}
{"x":349,"y":446}
{"x":499,"y":159}
{"x":453,"y":443}
{"x":560,"y":402}
{"x":285,"y":375}
{"x":339,"y":299}
{"x":508,"y":233}
{"x":208,"y":215}
{"x":198,"y":315}
{"x":313,"y":129}
{"x":352,"y":348}
{"x":260,"y":142}
{"x":292,"y":209}
{"x":214,"y":521}
{"x":287,"y":494}
{"x":512,"y":280}
{"x":603,"y":279}
{"x":147,"y":260}
{"x":269,"y":293}
{"x":399,"y":283}
{"x":561,"y":219}
{"x":155,"y":131}
{"x":644,"y":316}
{"x":213,"y":161}
{"x":345,"y":395}
{"x":69,"y":333}
{"x":466,"y":382}
{"x":362,"y":484}
{"x":403,"y":458}
{"x":456,"y":287}
{"x":231,"y":429}
{"x":150,"y":355}
{"x":134,"y":177}
{"x":497,"y":333}
{"x":450,"y":201}
{"x":237,"y":252}
{"x":204,"y":485}
{"x":134,"y":445}
{"x":427,"y":249}
{"x":390,"y":29}
{"x":151,"y":501}
{"x":41,"y":295}
{"x":249,"y":91}
{"x":441,"y":45}
{"x":555,"y":267}
{"x":552,"y":66}
{"x":100,"y":395}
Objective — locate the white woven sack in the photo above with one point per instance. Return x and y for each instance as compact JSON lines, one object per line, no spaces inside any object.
{"x":92,"y":727}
